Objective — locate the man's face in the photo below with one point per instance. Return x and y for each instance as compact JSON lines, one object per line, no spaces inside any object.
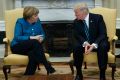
{"x":79,"y":14}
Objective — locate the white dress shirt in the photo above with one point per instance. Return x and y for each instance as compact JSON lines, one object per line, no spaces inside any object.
{"x":87,"y":22}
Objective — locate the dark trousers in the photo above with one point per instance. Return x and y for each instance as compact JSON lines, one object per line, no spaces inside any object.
{"x":103,"y":48}
{"x":34,"y":50}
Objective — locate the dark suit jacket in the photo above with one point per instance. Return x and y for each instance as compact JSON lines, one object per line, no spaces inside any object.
{"x":97,"y":29}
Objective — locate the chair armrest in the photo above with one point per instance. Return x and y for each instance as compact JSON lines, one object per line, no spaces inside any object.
{"x":5,"y":40}
{"x":113,"y":44}
{"x":115,"y":38}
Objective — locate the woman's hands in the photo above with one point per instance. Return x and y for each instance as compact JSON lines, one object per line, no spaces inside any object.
{"x":37,"y":37}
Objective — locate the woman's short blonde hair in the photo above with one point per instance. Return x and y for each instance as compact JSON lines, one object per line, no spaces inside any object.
{"x":29,"y":11}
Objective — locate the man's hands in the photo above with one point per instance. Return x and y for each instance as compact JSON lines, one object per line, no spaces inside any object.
{"x":37,"y":37}
{"x":88,"y":48}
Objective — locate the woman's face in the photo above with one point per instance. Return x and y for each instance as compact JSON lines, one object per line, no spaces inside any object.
{"x":34,"y":18}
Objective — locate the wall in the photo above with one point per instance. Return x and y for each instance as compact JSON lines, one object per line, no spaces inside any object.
{"x":2,"y":7}
{"x":5,"y":5}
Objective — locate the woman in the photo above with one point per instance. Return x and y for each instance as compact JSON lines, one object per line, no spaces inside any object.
{"x":28,"y":36}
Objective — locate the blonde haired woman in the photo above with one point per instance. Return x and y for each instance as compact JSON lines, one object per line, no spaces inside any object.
{"x":28,"y":38}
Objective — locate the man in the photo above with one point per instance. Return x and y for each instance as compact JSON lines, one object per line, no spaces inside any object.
{"x":90,"y":34}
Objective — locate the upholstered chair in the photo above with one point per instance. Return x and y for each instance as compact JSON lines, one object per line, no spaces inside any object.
{"x":109,"y":16}
{"x":12,"y":59}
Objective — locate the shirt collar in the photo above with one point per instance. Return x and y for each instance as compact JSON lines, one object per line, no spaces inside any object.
{"x":87,"y":18}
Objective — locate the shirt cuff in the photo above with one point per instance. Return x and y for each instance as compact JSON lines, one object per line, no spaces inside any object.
{"x":84,"y":44}
{"x":95,"y":45}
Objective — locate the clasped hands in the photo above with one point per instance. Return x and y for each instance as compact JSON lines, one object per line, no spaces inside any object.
{"x":37,"y":37}
{"x":88,"y":48}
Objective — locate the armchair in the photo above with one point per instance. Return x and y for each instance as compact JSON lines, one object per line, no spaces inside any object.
{"x":12,"y":59}
{"x":109,"y":16}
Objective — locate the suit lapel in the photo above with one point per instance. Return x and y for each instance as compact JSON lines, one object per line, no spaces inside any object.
{"x":80,"y":26}
{"x":91,"y":23}
{"x":91,"y":26}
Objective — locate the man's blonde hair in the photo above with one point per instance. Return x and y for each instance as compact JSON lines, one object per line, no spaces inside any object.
{"x":82,"y":7}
